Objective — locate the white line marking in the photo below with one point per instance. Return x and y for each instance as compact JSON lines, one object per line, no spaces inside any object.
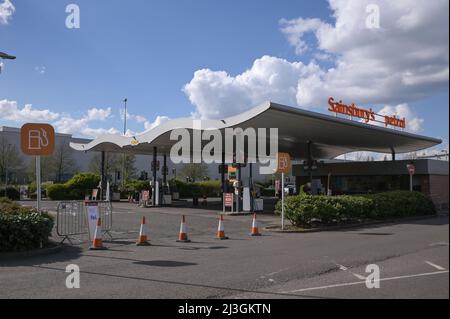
{"x":342,"y":267}
{"x":273,"y":273}
{"x":439,"y":244}
{"x":364,"y":282}
{"x":435,"y":266}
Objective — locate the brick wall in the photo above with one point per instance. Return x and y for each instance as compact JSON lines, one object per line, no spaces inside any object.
{"x":438,"y":187}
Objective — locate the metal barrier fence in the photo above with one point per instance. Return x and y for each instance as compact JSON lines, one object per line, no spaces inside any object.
{"x":71,"y":219}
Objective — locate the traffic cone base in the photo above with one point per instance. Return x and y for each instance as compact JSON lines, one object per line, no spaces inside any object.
{"x":143,"y":242}
{"x":143,"y":239}
{"x":97,"y":242}
{"x":183,"y":237}
{"x":222,"y":237}
{"x":97,"y":248}
{"x":255,"y":231}
{"x":221,"y":230}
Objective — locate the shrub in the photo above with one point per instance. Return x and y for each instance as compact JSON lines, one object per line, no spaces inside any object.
{"x":136,"y":186}
{"x":11,"y":192}
{"x":268,"y":192}
{"x":305,"y":210}
{"x":75,"y":189}
{"x":58,"y":192}
{"x":210,"y":188}
{"x":23,"y":228}
{"x":7,"y":206}
{"x":84,"y":181}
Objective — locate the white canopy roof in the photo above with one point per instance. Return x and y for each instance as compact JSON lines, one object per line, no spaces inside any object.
{"x":330,"y":136}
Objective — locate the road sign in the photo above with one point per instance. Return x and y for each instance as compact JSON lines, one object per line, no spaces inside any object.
{"x":232,"y":173}
{"x":92,"y":217}
{"x":37,"y":139}
{"x":411,"y":169}
{"x":283,"y":163}
{"x":228,"y":199}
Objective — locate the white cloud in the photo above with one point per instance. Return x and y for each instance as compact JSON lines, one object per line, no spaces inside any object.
{"x":157,"y":122}
{"x":63,"y":123}
{"x":11,"y":112}
{"x":143,"y":120}
{"x":6,"y":11}
{"x":70,"y":125}
{"x":405,"y":60}
{"x":218,"y":94}
{"x":40,"y":69}
{"x":295,"y":30}
{"x":413,"y":122}
{"x":96,"y":114}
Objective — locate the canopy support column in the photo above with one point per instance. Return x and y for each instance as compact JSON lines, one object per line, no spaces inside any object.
{"x":250,"y":185}
{"x":310,"y":161}
{"x":393,"y":154}
{"x":102,"y":176}
{"x":222,"y":176}
{"x":239,"y":192}
{"x":165,"y":170}
{"x":155,"y":159}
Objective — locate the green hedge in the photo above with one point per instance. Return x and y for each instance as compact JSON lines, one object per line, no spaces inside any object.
{"x":268,"y":192}
{"x":75,"y":189}
{"x":23,"y":228}
{"x":306,"y":210}
{"x":11,"y":192}
{"x":187,"y":190}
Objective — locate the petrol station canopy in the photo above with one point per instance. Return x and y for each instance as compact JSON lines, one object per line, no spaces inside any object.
{"x":329,"y":136}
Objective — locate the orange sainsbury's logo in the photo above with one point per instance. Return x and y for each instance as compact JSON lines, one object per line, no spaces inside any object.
{"x":367,"y":115}
{"x":351,"y":110}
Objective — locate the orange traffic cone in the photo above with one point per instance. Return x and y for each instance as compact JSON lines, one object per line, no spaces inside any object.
{"x":183,"y":237}
{"x":143,"y":240}
{"x":221,"y":229}
{"x":97,"y":243}
{"x":255,"y":230}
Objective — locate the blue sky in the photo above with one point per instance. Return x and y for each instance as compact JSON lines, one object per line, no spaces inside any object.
{"x":148,"y":51}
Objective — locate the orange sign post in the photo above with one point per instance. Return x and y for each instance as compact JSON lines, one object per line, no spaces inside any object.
{"x":37,"y":140}
{"x":284,"y":166}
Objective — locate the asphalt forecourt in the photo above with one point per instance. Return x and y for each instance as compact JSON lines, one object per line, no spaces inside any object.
{"x":412,"y":260}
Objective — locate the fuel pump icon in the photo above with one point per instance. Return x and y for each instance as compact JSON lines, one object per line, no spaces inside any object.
{"x":37,"y":139}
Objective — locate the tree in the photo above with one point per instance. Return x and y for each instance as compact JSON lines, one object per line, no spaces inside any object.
{"x":115,"y":163}
{"x":46,"y":169}
{"x":194,"y":172}
{"x":129,"y":170}
{"x":10,"y":160}
{"x":112,"y":163}
{"x":62,"y":161}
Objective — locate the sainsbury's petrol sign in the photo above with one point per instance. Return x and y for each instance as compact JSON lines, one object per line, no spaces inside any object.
{"x":368,"y":115}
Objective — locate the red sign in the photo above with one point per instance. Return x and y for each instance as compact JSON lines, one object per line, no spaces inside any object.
{"x":228,"y":199}
{"x":394,"y":121}
{"x":351,"y":110}
{"x":145,"y":195}
{"x":368,"y":115}
{"x":411,"y":169}
{"x":277,"y":185}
